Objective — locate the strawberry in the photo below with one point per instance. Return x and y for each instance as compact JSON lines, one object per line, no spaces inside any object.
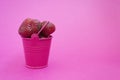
{"x":36,"y":23}
{"x":28,"y":27}
{"x":49,"y":29}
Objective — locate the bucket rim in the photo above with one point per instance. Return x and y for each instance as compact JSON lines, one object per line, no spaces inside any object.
{"x":50,"y":37}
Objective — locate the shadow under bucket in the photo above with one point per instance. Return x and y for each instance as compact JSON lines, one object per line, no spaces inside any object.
{"x":36,"y":51}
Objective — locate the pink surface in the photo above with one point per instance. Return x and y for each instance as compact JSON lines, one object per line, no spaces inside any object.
{"x":85,"y":46}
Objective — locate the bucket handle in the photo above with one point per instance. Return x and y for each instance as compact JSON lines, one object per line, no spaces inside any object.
{"x":36,"y":35}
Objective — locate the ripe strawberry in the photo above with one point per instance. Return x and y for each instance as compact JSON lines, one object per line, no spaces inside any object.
{"x":49,"y":29}
{"x":28,"y":27}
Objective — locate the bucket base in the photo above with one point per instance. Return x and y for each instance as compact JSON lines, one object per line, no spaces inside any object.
{"x":36,"y":67}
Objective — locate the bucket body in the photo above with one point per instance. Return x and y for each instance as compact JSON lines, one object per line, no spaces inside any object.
{"x":36,"y":51}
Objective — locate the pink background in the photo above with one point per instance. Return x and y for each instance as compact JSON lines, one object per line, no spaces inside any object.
{"x":86,"y":44}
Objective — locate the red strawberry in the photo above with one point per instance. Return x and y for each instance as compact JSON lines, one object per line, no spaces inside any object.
{"x":28,"y":27}
{"x":49,"y":29}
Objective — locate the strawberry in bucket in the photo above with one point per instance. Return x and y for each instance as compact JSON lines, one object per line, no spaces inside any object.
{"x":30,"y":26}
{"x":49,"y":29}
{"x":36,"y":37}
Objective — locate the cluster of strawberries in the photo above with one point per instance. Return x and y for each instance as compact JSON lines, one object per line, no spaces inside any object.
{"x":30,"y":26}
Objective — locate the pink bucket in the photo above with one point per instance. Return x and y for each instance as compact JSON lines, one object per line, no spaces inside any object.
{"x":36,"y":51}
